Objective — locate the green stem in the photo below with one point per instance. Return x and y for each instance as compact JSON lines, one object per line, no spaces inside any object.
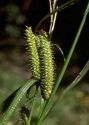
{"x":32,"y":109}
{"x":60,"y":76}
{"x":20,"y":93}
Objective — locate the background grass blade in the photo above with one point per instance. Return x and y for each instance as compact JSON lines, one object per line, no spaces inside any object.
{"x":20,"y":93}
{"x":77,"y":79}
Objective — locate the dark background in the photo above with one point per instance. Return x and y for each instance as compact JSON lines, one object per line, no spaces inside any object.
{"x":32,"y":12}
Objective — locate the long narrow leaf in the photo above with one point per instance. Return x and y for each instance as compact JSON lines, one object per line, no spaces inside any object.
{"x":77,"y":79}
{"x":20,"y":93}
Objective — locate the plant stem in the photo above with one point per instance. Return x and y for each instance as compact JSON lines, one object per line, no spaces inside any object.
{"x":53,"y":19}
{"x":60,"y":76}
{"x":52,"y":26}
{"x":62,"y":7}
{"x":20,"y":93}
{"x":32,"y":109}
{"x":51,"y":9}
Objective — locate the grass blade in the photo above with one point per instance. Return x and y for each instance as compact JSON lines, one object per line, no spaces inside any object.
{"x":77,"y":79}
{"x":21,"y":92}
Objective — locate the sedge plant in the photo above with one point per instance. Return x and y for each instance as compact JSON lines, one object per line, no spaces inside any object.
{"x":42,"y":62}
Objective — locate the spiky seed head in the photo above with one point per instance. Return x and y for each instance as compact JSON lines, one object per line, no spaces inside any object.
{"x":47,"y":67}
{"x":33,"y":53}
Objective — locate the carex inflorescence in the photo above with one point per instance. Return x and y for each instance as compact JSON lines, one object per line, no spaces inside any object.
{"x":33,"y":53}
{"x":41,"y":60}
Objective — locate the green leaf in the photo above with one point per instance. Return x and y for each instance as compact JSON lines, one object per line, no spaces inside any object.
{"x":20,"y":93}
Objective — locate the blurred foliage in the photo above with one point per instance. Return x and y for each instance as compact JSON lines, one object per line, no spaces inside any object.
{"x":73,"y":109}
{"x":14,"y":20}
{"x":9,"y":81}
{"x":12,"y":31}
{"x":13,"y":14}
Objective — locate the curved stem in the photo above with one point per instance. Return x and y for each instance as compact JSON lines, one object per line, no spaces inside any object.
{"x":61,"y":51}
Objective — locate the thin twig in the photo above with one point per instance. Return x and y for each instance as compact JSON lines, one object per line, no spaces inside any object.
{"x":62,"y":53}
{"x":54,"y":15}
{"x":62,"y":7}
{"x":53,"y":25}
{"x":50,"y":6}
{"x":54,"y":4}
